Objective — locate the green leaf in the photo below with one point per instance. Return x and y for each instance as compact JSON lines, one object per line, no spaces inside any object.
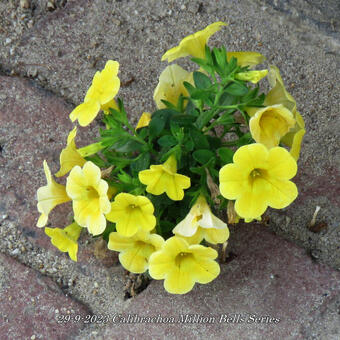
{"x":232,"y":66}
{"x":96,"y":159}
{"x":183,"y":119}
{"x":127,"y":144}
{"x":141,"y":163}
{"x":124,"y":177}
{"x":226,"y":155}
{"x":156,"y":126}
{"x":199,"y":139}
{"x":201,"y":80}
{"x":166,"y":226}
{"x":237,"y":89}
{"x":220,"y":56}
{"x":189,"y":145}
{"x":226,"y":119}
{"x":203,"y":156}
{"x":190,"y":88}
{"x":176,"y":130}
{"x":206,"y":66}
{"x":191,"y":109}
{"x":160,"y":119}
{"x":245,"y":139}
{"x":167,"y":141}
{"x":227,"y":99}
{"x":118,"y":162}
{"x":198,"y":170}
{"x":214,"y":142}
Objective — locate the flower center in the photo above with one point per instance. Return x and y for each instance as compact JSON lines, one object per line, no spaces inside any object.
{"x":182,"y":256}
{"x":131,"y":208}
{"x":91,"y":193}
{"x":255,"y":173}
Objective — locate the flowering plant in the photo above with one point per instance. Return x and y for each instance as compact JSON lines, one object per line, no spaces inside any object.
{"x":153,"y":192}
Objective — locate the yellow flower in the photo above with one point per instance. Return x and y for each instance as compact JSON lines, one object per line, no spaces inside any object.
{"x":70,"y":156}
{"x":279,"y":95}
{"x":144,"y":120}
{"x":170,"y":85}
{"x":163,"y":178}
{"x":49,"y":196}
{"x":132,"y":213}
{"x":211,"y":235}
{"x":135,"y":251}
{"x":259,"y":178}
{"x":199,"y":215}
{"x":252,"y":76}
{"x":89,"y":195}
{"x":270,"y":124}
{"x":246,"y":58}
{"x":193,"y":44}
{"x":105,"y":86}
{"x":181,"y":265}
{"x":65,"y":239}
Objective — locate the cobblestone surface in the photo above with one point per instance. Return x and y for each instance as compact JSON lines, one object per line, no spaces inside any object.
{"x":58,"y":48}
{"x":268,"y":279}
{"x":32,"y":305}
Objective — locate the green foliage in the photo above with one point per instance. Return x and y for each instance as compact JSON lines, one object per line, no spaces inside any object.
{"x":194,"y":130}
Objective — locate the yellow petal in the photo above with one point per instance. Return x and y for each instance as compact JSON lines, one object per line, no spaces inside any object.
{"x":251,"y":76}
{"x":281,"y":165}
{"x":282,"y":194}
{"x":70,"y":156}
{"x":170,"y":85}
{"x":49,"y":196}
{"x":144,"y":120}
{"x":270,"y":124}
{"x":85,"y":112}
{"x":246,"y":58}
{"x":251,"y":157}
{"x":109,"y":105}
{"x":179,"y":280}
{"x":103,"y":89}
{"x":215,"y":236}
{"x":160,"y":263}
{"x":65,"y":239}
{"x":119,"y":242}
{"x":278,"y":94}
{"x":253,"y":203}
{"x":296,"y":147}
{"x":233,"y":181}
{"x":194,"y":239}
{"x":193,"y":44}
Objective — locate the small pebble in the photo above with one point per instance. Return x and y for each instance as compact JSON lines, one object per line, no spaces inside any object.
{"x":16,"y":251}
{"x":24,"y":3}
{"x":8,"y":41}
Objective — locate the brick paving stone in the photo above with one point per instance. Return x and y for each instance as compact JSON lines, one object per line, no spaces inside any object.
{"x":31,"y":303}
{"x":34,"y":125}
{"x":268,"y":277}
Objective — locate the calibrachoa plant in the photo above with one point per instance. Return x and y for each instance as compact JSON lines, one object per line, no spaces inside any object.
{"x":153,"y":192}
